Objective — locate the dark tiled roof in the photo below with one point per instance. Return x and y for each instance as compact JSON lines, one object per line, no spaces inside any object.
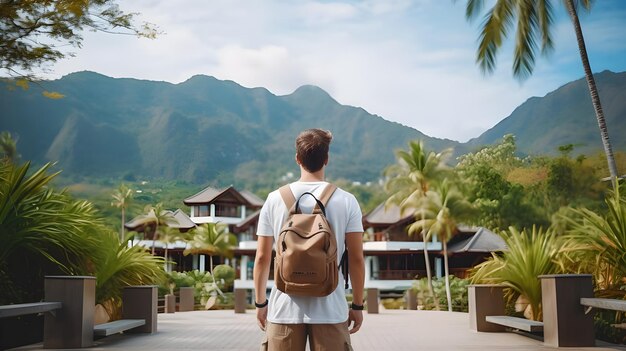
{"x":252,"y":198}
{"x":483,"y":241}
{"x":207,"y":195}
{"x":182,"y":221}
{"x":211,"y":194}
{"x":249,"y":219}
{"x":381,"y":215}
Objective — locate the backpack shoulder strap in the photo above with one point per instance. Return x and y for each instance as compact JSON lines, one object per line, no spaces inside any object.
{"x":327,"y":193}
{"x":288,"y":198}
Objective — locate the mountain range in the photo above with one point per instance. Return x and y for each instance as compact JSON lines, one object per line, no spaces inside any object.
{"x":206,"y":129}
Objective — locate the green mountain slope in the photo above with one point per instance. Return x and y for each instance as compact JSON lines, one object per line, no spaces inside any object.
{"x":566,"y":116}
{"x":199,"y":130}
{"x":208,"y":130}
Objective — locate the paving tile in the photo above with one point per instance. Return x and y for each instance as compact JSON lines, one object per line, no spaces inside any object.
{"x":394,"y":330}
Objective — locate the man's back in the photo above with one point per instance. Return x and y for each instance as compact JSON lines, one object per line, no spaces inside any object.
{"x":344,"y":215}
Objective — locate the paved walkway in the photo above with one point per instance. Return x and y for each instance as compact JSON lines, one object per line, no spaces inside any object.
{"x":390,"y":330}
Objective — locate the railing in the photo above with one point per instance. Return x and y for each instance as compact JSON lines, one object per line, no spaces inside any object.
{"x":401,"y":274}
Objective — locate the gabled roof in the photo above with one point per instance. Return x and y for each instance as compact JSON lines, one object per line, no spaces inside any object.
{"x":382,"y":216}
{"x":209,"y":194}
{"x":252,"y":198}
{"x":243,"y":225}
{"x":182,"y":221}
{"x":483,"y":241}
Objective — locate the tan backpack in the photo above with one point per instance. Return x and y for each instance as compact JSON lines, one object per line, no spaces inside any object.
{"x":306,"y":250}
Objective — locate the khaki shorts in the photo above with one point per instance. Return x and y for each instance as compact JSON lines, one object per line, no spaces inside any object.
{"x":293,"y":337}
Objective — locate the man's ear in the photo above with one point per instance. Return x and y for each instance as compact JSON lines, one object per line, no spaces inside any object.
{"x":297,"y":160}
{"x":326,"y":161}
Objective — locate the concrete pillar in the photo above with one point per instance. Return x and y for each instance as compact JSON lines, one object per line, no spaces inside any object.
{"x":439,"y":267}
{"x":202,"y":259}
{"x":485,"y":300}
{"x":565,"y":323}
{"x":186,"y":299}
{"x":140,"y":302}
{"x":72,"y":327}
{"x":170,"y":303}
{"x":410,"y":299}
{"x":243,"y":268}
{"x":372,"y":300}
{"x":240,"y":300}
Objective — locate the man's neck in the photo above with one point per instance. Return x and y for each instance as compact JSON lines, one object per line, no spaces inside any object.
{"x":306,"y":176}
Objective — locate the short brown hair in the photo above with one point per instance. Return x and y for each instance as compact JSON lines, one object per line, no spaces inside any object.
{"x":312,"y":148}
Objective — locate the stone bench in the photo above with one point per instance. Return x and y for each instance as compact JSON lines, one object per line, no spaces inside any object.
{"x":566,"y":299}
{"x":516,"y":323}
{"x":29,"y":308}
{"x":605,"y":304}
{"x":69,"y":311}
{"x":118,"y":326}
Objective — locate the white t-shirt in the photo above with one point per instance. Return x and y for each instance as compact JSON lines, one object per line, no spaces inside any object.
{"x":344,"y":215}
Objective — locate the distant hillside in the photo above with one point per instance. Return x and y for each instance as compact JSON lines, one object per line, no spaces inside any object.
{"x":566,"y":116}
{"x":198,"y":130}
{"x":206,"y":130}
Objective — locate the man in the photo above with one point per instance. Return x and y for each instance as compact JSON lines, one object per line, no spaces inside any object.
{"x":326,"y":321}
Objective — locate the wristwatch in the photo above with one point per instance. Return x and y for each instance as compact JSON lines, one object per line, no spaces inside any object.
{"x":356,"y":307}
{"x":261,"y":305}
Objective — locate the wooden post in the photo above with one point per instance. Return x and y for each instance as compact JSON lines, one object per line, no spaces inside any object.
{"x":372,"y":300}
{"x":485,"y":300}
{"x":410,"y":298}
{"x":140,"y":302}
{"x":565,"y":323}
{"x":72,"y":327}
{"x":186,"y":299}
{"x":170,"y":303}
{"x":240,"y":300}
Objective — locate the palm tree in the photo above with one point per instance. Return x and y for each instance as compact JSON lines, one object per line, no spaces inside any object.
{"x":212,"y":239}
{"x":155,"y":220}
{"x":438,"y":212}
{"x":122,"y":197}
{"x":409,"y":180}
{"x":534,"y":21}
{"x":170,"y":236}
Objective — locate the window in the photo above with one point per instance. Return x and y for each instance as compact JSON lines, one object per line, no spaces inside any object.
{"x":202,"y":211}
{"x":227,"y":210}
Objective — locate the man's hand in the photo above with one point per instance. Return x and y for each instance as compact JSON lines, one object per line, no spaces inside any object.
{"x":355,"y":319}
{"x":261,"y":317}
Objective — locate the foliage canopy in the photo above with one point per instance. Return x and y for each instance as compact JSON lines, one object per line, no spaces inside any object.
{"x":34,"y":32}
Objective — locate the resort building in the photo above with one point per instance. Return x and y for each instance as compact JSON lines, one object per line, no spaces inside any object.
{"x":238,"y":209}
{"x":393,"y":258}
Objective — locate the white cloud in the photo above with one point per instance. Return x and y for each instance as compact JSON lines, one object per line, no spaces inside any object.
{"x":410,"y":61}
{"x":321,"y":13}
{"x":271,"y":67}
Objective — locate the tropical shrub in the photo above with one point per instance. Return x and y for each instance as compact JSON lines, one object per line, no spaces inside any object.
{"x":597,"y":243}
{"x":116,"y":265}
{"x":224,"y":276}
{"x":529,"y":254}
{"x":42,"y":231}
{"x":202,"y":284}
{"x":458,"y":291}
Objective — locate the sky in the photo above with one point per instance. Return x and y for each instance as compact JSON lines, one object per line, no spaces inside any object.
{"x":408,"y":61}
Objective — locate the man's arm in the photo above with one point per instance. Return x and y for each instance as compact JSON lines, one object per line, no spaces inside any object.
{"x":261,"y":272}
{"x":356,"y":264}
